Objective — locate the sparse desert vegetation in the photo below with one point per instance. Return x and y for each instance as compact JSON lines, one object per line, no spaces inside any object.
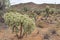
{"x":29,"y":21}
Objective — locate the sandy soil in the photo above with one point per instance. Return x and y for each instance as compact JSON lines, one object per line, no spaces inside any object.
{"x":37,"y":34}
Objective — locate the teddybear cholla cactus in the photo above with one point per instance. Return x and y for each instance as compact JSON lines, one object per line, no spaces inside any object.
{"x":16,"y":21}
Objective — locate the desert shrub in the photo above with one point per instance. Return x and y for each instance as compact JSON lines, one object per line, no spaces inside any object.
{"x":51,"y":11}
{"x":16,"y":21}
{"x":37,"y":12}
{"x":32,"y":15}
{"x":47,"y":10}
{"x":25,"y":9}
{"x":39,"y":22}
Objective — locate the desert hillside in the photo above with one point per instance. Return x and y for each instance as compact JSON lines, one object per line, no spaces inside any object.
{"x":30,"y":21}
{"x":34,"y":5}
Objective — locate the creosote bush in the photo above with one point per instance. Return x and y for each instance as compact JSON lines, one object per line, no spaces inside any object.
{"x":19,"y":23}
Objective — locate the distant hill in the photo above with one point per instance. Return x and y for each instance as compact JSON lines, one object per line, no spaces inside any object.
{"x":33,"y":5}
